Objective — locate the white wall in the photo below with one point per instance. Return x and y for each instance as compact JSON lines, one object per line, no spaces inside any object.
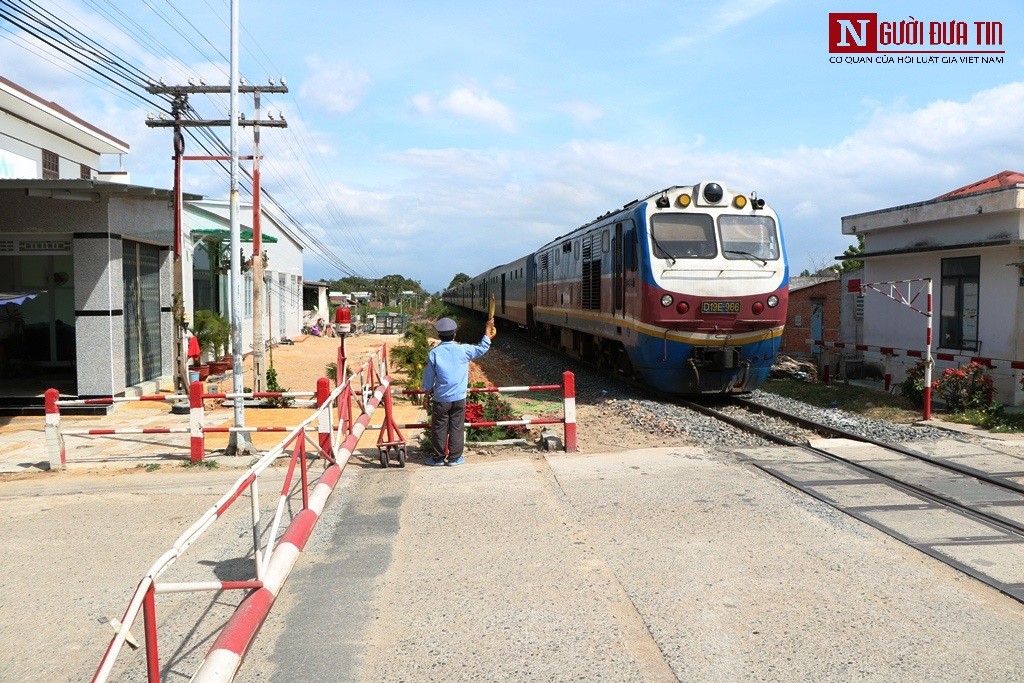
{"x":26,"y":140}
{"x":889,"y":323}
{"x":284,"y":258}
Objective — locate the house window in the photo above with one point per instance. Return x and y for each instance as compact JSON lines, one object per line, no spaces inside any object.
{"x":959,"y":303}
{"x":51,"y":165}
{"x":85,"y":173}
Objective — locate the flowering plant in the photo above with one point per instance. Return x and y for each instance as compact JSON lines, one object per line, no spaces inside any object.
{"x":965,"y":387}
{"x":474,"y":412}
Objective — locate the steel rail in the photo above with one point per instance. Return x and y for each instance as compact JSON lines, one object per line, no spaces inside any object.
{"x":834,"y":432}
{"x":1003,"y":523}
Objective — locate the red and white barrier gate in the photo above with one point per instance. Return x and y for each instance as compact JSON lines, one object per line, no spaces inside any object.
{"x":55,"y":434}
{"x":568,"y":419}
{"x":273,"y":562}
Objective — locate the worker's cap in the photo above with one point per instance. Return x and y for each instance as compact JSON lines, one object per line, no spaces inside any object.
{"x":446,"y":325}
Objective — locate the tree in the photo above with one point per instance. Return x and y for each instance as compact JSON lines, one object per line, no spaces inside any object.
{"x":458,"y":280}
{"x":853,"y":250}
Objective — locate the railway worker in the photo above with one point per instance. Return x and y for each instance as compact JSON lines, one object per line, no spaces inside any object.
{"x":447,"y":376}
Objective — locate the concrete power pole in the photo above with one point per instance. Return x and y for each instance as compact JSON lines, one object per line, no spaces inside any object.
{"x":259,"y":346}
{"x":239,"y":442}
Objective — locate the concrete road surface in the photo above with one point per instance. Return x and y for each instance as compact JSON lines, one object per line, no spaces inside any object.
{"x":656,"y":565}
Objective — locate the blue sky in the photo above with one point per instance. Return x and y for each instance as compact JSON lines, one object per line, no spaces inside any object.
{"x":429,"y":138}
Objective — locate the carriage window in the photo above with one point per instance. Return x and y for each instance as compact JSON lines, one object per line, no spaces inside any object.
{"x":679,"y":235}
{"x":576,"y":249}
{"x":749,"y":237}
{"x":605,"y":242}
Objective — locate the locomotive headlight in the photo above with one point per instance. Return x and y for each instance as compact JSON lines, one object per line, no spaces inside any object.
{"x":773,"y":301}
{"x":684,"y":200}
{"x":666,"y":300}
{"x":682,"y":308}
{"x":740,"y":201}
{"x":757,"y":308}
{"x":713,"y":193}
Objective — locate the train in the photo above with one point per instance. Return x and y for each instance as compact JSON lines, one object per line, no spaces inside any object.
{"x":685,"y":290}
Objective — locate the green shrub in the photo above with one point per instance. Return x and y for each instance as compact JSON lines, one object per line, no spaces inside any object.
{"x":272,"y":385}
{"x":912,"y":387}
{"x":412,"y":356}
{"x":490,"y":407}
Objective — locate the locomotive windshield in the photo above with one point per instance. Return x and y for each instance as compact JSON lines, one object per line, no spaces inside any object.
{"x":749,"y":237}
{"x":683,"y":235}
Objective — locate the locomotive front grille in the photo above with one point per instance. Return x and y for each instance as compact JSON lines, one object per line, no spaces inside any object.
{"x":717,"y":357}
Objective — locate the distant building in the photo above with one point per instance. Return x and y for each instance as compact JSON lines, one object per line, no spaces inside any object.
{"x":970,"y":243}
{"x":813,"y":314}
{"x":206,"y":225}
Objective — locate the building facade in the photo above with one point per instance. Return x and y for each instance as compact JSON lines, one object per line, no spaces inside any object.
{"x":969,"y":244}
{"x":813,"y":314}
{"x":206,"y":232}
{"x":84,"y":262}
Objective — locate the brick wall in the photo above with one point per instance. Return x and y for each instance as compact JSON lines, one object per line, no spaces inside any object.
{"x":798,"y":318}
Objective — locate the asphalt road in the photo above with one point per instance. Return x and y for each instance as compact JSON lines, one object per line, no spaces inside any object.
{"x":666,"y":564}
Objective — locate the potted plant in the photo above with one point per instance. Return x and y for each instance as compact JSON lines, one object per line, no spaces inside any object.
{"x":224,"y":339}
{"x":205,"y":327}
{"x":221,"y":336}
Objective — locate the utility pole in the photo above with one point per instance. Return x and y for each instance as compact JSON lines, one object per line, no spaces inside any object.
{"x":239,"y":442}
{"x":259,"y":347}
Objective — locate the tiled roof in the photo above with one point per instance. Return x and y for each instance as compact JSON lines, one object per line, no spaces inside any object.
{"x":995,"y":182}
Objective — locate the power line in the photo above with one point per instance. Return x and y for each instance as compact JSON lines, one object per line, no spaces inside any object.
{"x":76,"y":47}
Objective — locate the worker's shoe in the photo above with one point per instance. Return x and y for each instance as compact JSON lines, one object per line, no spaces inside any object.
{"x":457,"y":461}
{"x":434,"y":462}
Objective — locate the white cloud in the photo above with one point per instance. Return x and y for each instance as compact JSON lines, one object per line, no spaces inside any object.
{"x":424,"y":104}
{"x":469,"y":103}
{"x":480,"y":106}
{"x":581,"y":112}
{"x":337,"y":87}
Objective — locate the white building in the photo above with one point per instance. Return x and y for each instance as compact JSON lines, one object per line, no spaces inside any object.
{"x":206,"y":229}
{"x":970,"y":243}
{"x":84,"y":263}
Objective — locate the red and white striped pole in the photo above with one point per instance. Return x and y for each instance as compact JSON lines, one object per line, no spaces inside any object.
{"x":149,"y":626}
{"x":928,"y":358}
{"x":197,"y":440}
{"x":54,"y":440}
{"x":323,"y":391}
{"x":569,"y":410}
{"x":343,"y":319}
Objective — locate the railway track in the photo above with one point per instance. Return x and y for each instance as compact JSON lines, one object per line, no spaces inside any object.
{"x":960,"y":503}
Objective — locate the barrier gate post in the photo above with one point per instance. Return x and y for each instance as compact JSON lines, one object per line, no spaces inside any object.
{"x":54,"y":440}
{"x":569,"y":410}
{"x":323,"y":391}
{"x":197,"y":439}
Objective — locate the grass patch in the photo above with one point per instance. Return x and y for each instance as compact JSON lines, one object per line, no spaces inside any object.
{"x":882,"y":406}
{"x":994,"y":419}
{"x":208,"y":464}
{"x":855,"y":399}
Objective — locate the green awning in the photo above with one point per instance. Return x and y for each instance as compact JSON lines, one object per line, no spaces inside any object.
{"x":224,"y":235}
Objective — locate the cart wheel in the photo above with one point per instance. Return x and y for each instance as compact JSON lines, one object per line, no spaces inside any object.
{"x":383,"y":457}
{"x":401,"y":456}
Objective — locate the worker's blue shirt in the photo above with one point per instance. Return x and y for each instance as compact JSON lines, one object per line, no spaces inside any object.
{"x":447,"y":371}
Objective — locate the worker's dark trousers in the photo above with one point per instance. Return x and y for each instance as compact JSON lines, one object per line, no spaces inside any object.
{"x":448,"y":423}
